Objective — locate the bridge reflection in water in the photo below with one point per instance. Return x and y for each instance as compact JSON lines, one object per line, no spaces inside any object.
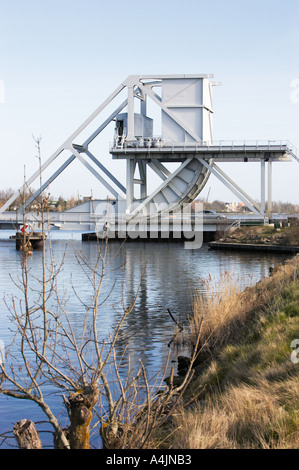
{"x":169,"y":277}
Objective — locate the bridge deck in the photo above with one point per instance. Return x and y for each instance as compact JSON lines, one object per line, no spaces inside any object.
{"x":221,"y":152}
{"x":86,"y":221}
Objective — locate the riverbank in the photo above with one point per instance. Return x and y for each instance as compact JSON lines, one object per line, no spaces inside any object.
{"x":267,"y":238}
{"x":245,"y":389}
{"x":254,"y":247}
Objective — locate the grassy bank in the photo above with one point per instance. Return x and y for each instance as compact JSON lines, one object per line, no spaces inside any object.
{"x":245,"y":382}
{"x":266,"y":234}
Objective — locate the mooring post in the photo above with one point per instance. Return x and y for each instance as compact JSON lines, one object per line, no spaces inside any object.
{"x":263,"y":188}
{"x":270,"y":189}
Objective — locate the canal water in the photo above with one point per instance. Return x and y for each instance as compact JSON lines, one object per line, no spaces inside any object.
{"x":164,"y":276}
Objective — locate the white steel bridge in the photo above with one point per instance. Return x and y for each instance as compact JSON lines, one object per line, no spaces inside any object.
{"x":185,"y":109}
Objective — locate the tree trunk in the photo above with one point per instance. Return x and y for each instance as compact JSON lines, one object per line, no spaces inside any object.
{"x":27,"y":435}
{"x":80,"y":406}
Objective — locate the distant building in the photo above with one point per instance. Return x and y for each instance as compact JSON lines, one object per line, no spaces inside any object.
{"x":235,"y":206}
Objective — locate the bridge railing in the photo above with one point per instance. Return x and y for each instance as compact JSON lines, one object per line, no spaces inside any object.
{"x":162,"y":144}
{"x":51,"y":217}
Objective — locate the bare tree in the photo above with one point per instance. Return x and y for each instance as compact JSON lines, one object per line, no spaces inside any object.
{"x":51,"y":353}
{"x":46,"y":350}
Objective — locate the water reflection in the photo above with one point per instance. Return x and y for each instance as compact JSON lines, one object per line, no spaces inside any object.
{"x":170,"y":275}
{"x":164,"y":275}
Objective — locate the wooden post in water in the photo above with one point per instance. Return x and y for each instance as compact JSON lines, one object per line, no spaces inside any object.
{"x":26,"y":435}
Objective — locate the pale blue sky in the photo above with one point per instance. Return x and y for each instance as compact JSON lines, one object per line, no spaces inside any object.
{"x":59,"y":60}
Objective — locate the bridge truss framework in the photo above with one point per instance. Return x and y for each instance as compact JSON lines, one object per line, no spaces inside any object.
{"x":185,"y":103}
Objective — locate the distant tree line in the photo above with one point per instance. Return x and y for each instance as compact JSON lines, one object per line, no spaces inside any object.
{"x":277,"y":206}
{"x":285,"y":207}
{"x":59,"y":204}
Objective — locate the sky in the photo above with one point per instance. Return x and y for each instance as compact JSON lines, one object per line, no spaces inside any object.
{"x":59,"y":60}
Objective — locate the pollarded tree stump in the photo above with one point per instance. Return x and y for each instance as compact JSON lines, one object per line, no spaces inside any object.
{"x":26,"y":435}
{"x":81,"y":404}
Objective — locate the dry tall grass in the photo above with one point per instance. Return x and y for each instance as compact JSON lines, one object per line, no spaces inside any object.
{"x":219,"y":311}
{"x":250,"y":388}
{"x":245,"y":417}
{"x":224,"y":310}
